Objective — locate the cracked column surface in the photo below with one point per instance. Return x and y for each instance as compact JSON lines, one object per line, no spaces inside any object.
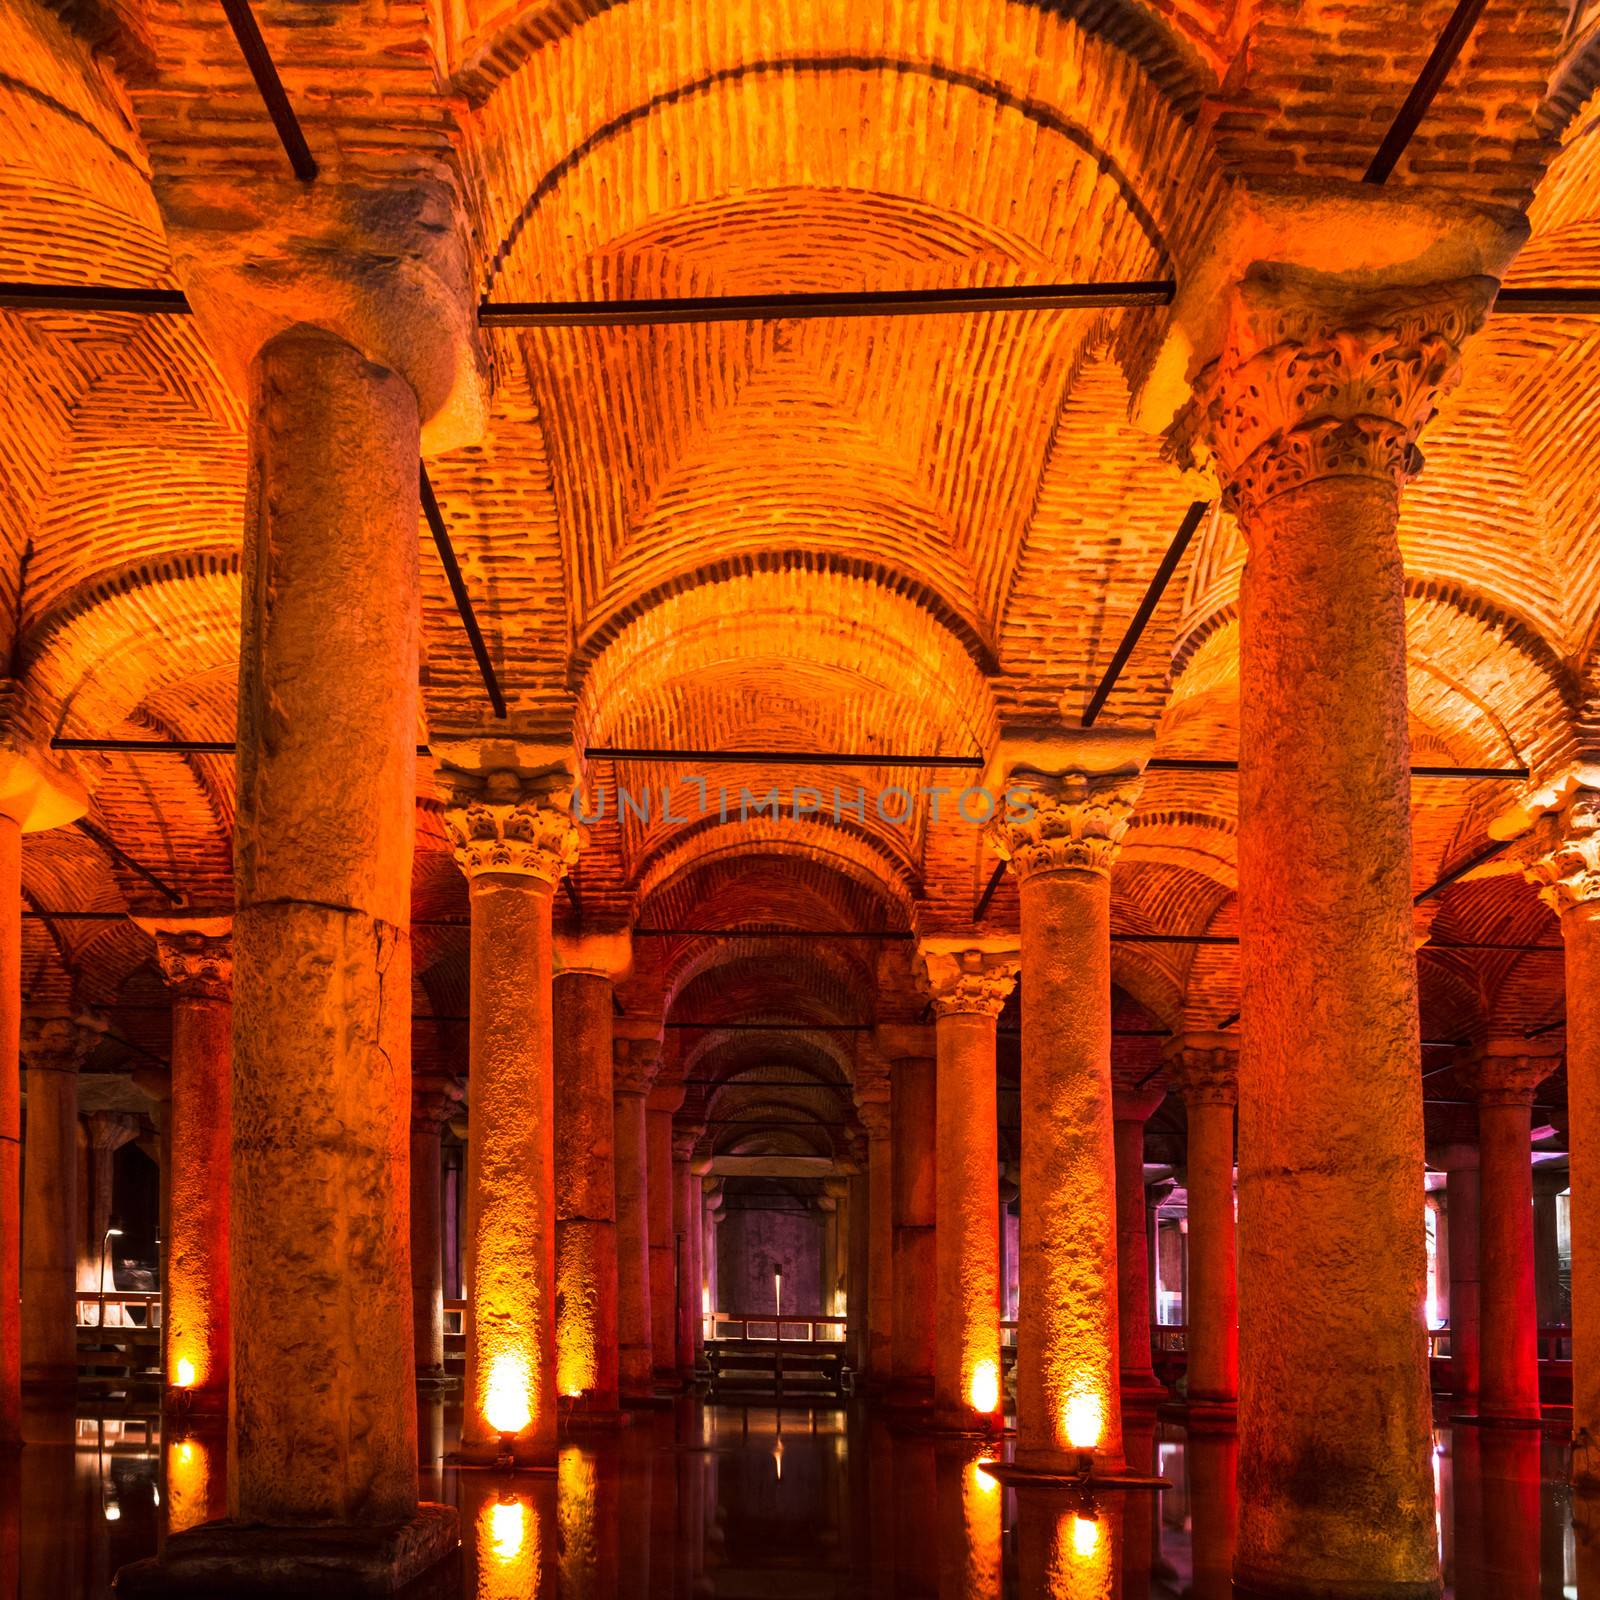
{"x":1074,"y":798}
{"x":1313,"y":408}
{"x":515,"y":838}
{"x":968,"y":989}
{"x":586,"y":1187}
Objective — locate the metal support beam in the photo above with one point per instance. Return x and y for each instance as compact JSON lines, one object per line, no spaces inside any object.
{"x":458,"y":588}
{"x":123,"y":859}
{"x":1434,"y":71}
{"x":270,"y":86}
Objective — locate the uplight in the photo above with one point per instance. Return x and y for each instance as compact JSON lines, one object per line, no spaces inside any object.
{"x":505,"y":1402}
{"x":185,"y":1373}
{"x":985,"y":1389}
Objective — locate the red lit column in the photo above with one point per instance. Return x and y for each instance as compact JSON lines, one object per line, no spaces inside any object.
{"x":909,"y":1051}
{"x":968,"y":988}
{"x":34,"y":795}
{"x":1130,"y":1110}
{"x":686,"y":1258}
{"x":636,"y":1055}
{"x":1062,"y":847}
{"x":434,"y":1101}
{"x":53,"y":1048}
{"x":1313,"y":410}
{"x":196,"y":959}
{"x":872,"y":1106}
{"x":588,"y":966}
{"x":1204,"y":1068}
{"x":1504,"y":1076}
{"x":1461,"y":1209}
{"x":515,"y":839}
{"x":1566,"y":837}
{"x":666,"y":1096}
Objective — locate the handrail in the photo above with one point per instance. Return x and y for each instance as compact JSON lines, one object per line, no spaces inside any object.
{"x":771,"y":1319}
{"x":147,"y":1300}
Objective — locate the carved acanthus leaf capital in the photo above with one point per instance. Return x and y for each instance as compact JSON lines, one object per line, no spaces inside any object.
{"x":59,"y":1041}
{"x":1204,"y":1068}
{"x":197,"y":966}
{"x":1567,"y":875}
{"x":970,"y":982}
{"x":1072,"y":822}
{"x":435,"y":1099}
{"x":1319,"y":380}
{"x":685,"y":1140}
{"x":1506,"y":1074}
{"x":634,"y":1064}
{"x":506,"y":822}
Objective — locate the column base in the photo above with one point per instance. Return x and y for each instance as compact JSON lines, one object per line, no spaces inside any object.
{"x":1248,"y":1587}
{"x":1200,"y":1414}
{"x":246,"y":1559}
{"x":1143,"y":1389}
{"x":529,"y":1455}
{"x":432,"y":1379}
{"x":959,"y":1422}
{"x":583,"y":1416}
{"x":1046,"y":1474}
{"x":1479,"y":1420}
{"x":198,"y":1404}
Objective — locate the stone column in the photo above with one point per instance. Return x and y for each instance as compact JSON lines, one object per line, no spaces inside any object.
{"x":872,"y":1106}
{"x":714,"y":1203}
{"x":1565,"y":845}
{"x":53,"y":1048}
{"x":196,"y":957}
{"x":1461,"y":1208}
{"x":685,"y":1224}
{"x":968,"y":988}
{"x":1313,"y":409}
{"x":34,"y":795}
{"x":1130,"y":1110}
{"x":434,"y":1101}
{"x":700,"y":1168}
{"x":515,"y":839}
{"x":858,"y":1206}
{"x":910,"y":1052}
{"x":1549,"y":1184}
{"x":588,"y":965}
{"x":102,"y":1134}
{"x":1069,"y":802}
{"x":1204,"y":1068}
{"x":636,"y":1055}
{"x":1503,"y":1076}
{"x":666,"y":1096}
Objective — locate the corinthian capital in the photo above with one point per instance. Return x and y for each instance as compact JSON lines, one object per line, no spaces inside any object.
{"x":59,"y":1041}
{"x":1567,"y":875}
{"x":1074,"y":822}
{"x":972,"y":982}
{"x":634,"y":1064}
{"x":1319,"y":380}
{"x":196,"y":956}
{"x":504,"y":821}
{"x":1508,"y":1072}
{"x":1204,"y":1068}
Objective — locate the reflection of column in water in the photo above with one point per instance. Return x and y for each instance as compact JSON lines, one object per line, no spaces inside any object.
{"x":586,"y":1538}
{"x":879,"y":1504}
{"x":50,"y":1503}
{"x":10,"y":1523}
{"x":1555,"y":1462}
{"x":194,"y":1490}
{"x":1511,"y":1497}
{"x":1141,"y":1508}
{"x":916,"y":1555}
{"x":969,"y":1526}
{"x":430,"y":1444}
{"x":1586,"y":1541}
{"x":507,"y":1548}
{"x":1065,"y":1549}
{"x":1466,"y":1508}
{"x":1214,"y":1506}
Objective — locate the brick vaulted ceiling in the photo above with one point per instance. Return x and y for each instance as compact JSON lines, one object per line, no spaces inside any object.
{"x":848,"y":535}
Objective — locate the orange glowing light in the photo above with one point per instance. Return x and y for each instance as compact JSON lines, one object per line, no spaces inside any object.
{"x":189,"y":1489}
{"x":508,"y":1528}
{"x":984,"y":1390}
{"x":1085,"y":1536}
{"x":1084,"y":1420}
{"x":508,"y":1550}
{"x":505,"y":1402}
{"x":185,"y":1374}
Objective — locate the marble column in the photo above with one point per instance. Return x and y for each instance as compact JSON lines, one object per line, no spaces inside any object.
{"x":666,"y":1096}
{"x":968,"y":988}
{"x":1069,"y":802}
{"x":588,"y":966}
{"x":515,"y":838}
{"x":872,"y":1106}
{"x":1204,"y":1068}
{"x":1549,"y":1184}
{"x":434,"y":1101}
{"x":685,"y":1225}
{"x":1461,"y":1209}
{"x":1312,"y":410}
{"x":1130,"y":1111}
{"x":910,"y":1053}
{"x":636,"y":1055}
{"x":196,"y":957}
{"x":34,"y":795}
{"x":1503,"y":1076}
{"x":1565,"y":844}
{"x":53,"y":1047}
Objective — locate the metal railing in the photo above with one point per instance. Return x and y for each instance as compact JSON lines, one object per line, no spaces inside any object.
{"x":119,"y":1308}
{"x":1555,"y":1343}
{"x":768,"y":1326}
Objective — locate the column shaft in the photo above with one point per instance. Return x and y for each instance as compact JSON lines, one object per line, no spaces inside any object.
{"x":1213,"y":1337}
{"x":322,"y":982}
{"x":586,"y":1192}
{"x":634,"y":1340}
{"x":684,"y":1256}
{"x":1580,"y":928}
{"x":1509,"y":1382}
{"x":511,"y":1315}
{"x":1461,"y":1244}
{"x":663,"y":1243}
{"x":1137,"y":1373}
{"x":966,"y":1366}
{"x":1067,"y":1304}
{"x":49,"y":1236}
{"x":912,"y":1091}
{"x":195,"y":1245}
{"x":10,"y":1132}
{"x":880,"y":1255}
{"x":427,"y":1250}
